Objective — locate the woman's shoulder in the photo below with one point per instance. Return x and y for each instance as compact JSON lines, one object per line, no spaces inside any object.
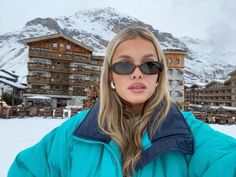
{"x":213,"y":150}
{"x":205,"y":136}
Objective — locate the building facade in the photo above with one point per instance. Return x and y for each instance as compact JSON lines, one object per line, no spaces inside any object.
{"x":61,"y":68}
{"x":175,"y":63}
{"x":9,"y":84}
{"x":214,"y":93}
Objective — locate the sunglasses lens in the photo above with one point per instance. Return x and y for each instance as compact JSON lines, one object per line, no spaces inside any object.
{"x":151,"y":68}
{"x":123,"y":68}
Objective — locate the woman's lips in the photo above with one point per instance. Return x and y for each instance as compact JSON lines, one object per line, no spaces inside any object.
{"x":137,"y":87}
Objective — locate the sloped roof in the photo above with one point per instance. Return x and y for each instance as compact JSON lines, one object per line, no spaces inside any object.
{"x":215,"y":81}
{"x":180,"y":51}
{"x":198,"y":84}
{"x":13,"y":84}
{"x":54,"y":36}
{"x":232,"y":72}
{"x":3,"y":74}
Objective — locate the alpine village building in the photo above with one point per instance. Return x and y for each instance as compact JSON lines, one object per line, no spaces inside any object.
{"x":213,"y":93}
{"x":62,"y":68}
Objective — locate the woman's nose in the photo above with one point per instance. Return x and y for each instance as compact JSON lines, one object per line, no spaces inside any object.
{"x":137,"y":74}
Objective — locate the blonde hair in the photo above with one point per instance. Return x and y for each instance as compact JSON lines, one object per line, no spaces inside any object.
{"x":114,"y":114}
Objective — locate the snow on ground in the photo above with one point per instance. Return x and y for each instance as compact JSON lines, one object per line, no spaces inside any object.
{"x":18,"y":134}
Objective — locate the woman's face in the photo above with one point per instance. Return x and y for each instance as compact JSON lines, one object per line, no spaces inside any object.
{"x":135,"y":88}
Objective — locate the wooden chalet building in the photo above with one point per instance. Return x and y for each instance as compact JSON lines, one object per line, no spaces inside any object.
{"x":214,"y":93}
{"x":61,"y":68}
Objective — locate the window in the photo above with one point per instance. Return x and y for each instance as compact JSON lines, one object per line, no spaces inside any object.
{"x":61,"y":45}
{"x":40,"y":61}
{"x":169,"y":60}
{"x":79,"y":65}
{"x":95,"y":68}
{"x":68,"y":46}
{"x":180,"y":72}
{"x":56,"y":75}
{"x":94,"y":62}
{"x":54,"y":44}
{"x":39,"y":74}
{"x":177,"y":61}
{"x":82,"y":77}
{"x":180,"y":94}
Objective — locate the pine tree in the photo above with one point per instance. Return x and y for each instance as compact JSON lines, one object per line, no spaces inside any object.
{"x":91,"y":96}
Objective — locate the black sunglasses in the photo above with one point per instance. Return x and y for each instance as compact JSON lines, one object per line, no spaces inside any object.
{"x":148,"y":68}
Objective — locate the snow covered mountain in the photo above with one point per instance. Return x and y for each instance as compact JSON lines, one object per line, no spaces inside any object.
{"x":96,"y":27}
{"x":204,"y":62}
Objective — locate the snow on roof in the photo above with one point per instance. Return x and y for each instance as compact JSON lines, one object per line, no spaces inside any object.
{"x":39,"y":97}
{"x":13,"y":84}
{"x":199,"y":84}
{"x":215,"y":81}
{"x":229,"y":108}
{"x":3,"y":74}
{"x":53,"y":36}
{"x":195,"y":105}
{"x":188,"y":85}
{"x":232,"y":72}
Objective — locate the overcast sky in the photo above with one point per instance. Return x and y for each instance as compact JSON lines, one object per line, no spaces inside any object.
{"x":204,"y":19}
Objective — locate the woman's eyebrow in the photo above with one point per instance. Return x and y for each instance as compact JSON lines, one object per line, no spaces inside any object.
{"x":150,"y":55}
{"x":124,"y":57}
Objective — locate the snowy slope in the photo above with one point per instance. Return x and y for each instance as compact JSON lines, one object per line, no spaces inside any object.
{"x":28,"y":131}
{"x":96,"y":27}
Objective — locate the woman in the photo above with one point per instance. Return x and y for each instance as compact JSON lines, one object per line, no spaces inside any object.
{"x":134,"y":129}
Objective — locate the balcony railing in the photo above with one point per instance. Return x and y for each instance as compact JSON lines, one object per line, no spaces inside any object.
{"x":77,"y":93}
{"x":38,"y":79}
{"x":80,"y":70}
{"x":53,"y":55}
{"x":60,"y":69}
{"x":95,"y":73}
{"x":39,"y":67}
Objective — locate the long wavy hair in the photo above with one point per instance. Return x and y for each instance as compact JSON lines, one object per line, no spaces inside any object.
{"x":115,"y":117}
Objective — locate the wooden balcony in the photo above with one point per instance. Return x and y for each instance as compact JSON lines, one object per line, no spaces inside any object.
{"x":79,"y":82}
{"x":81,"y":70}
{"x":217,"y":88}
{"x":59,"y":56}
{"x":77,"y":93}
{"x":47,"y":80}
{"x":38,"y":80}
{"x":214,"y":100}
{"x":95,"y":73}
{"x":39,"y":67}
{"x":59,"y":81}
{"x":60,"y":69}
{"x":47,"y":91}
{"x":215,"y":94}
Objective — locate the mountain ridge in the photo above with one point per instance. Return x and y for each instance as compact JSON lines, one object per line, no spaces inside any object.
{"x":96,"y":27}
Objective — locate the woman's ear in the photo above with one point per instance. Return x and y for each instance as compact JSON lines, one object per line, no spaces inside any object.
{"x":110,"y":77}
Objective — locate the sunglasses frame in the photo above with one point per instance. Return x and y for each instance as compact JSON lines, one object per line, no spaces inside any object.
{"x":161,"y":68}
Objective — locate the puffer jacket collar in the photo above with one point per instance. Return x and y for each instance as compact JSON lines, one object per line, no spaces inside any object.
{"x":174,"y":134}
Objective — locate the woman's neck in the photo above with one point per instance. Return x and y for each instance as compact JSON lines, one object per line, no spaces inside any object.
{"x":137,"y":109}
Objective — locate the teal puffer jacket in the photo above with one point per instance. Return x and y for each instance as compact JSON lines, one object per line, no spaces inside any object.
{"x":184,"y":147}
